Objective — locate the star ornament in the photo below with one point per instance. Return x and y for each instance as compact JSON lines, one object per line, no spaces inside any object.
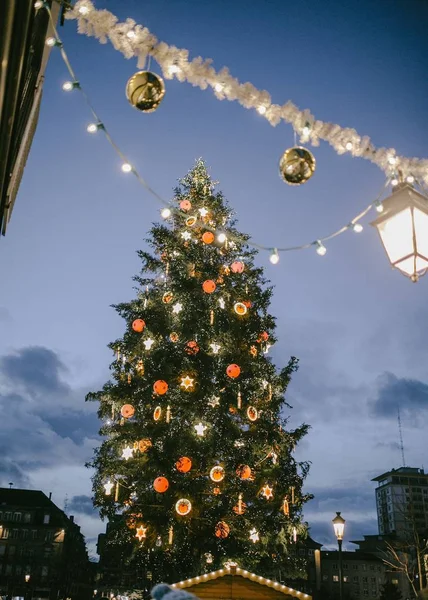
{"x":214,"y":401}
{"x":141,"y":533}
{"x":267,"y":492}
{"x":254,"y":535}
{"x":148,"y":343}
{"x":108,"y":487}
{"x":127,"y":452}
{"x":215,"y":347}
{"x":186,"y":235}
{"x":203,"y":212}
{"x":187,"y":382}
{"x":177,"y":308}
{"x":200,"y":429}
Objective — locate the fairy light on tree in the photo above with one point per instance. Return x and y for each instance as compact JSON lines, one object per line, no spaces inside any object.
{"x":203,"y":454}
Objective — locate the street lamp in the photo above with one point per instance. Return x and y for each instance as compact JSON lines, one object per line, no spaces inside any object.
{"x":403,"y":229}
{"x":339,"y":529}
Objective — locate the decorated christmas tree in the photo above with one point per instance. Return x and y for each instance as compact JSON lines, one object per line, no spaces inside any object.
{"x":196,"y":468}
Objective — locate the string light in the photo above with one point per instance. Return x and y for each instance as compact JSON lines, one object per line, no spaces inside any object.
{"x":392,"y":160}
{"x":39,"y":4}
{"x":126,"y":167}
{"x":321,"y":249}
{"x":53,"y":41}
{"x":68,"y":86}
{"x":261,"y":109}
{"x":274,"y":257}
{"x":357,"y":227}
{"x":94,"y":127}
{"x":349,"y":145}
{"x":174,"y":69}
{"x":165,"y":213}
{"x":131,"y":34}
{"x":83,"y":9}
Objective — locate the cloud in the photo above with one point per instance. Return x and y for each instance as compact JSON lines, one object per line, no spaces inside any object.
{"x":82,"y":504}
{"x":36,"y":369}
{"x":410,"y":395}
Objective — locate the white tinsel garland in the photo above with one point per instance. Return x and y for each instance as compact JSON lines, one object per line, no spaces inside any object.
{"x":134,"y":40}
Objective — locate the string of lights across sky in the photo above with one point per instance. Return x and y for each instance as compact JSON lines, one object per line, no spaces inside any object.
{"x":99,"y":126}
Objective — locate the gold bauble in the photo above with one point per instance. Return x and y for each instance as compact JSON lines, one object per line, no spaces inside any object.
{"x":145,"y":91}
{"x":297,"y":165}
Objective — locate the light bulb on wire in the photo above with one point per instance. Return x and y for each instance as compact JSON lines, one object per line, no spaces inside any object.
{"x":126,"y":167}
{"x":306,"y":131}
{"x":379,"y":206}
{"x":173,"y":69}
{"x":348,"y":145}
{"x":394,"y":182}
{"x":94,"y":127}
{"x":392,"y":160}
{"x":68,"y":86}
{"x":321,"y":249}
{"x":261,"y":109}
{"x":357,"y":227}
{"x":52,"y":41}
{"x":83,"y":10}
{"x":218,"y":87}
{"x":165,"y":213}
{"x":274,"y":257}
{"x":131,"y":34}
{"x":221,"y":237}
{"x":410,"y":179}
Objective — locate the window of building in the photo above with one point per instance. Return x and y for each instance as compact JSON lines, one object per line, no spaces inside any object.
{"x":355,"y":567}
{"x":394,"y":581}
{"x":364,"y":567}
{"x":2,"y":549}
{"x":46,"y":519}
{"x":12,"y":550}
{"x":5,"y":533}
{"x":365,"y":592}
{"x":335,"y":577}
{"x":34,"y":534}
{"x":334,"y":566}
{"x":373,"y":579}
{"x":374,"y":594}
{"x":365,"y":579}
{"x":15,"y":534}
{"x":345,"y":566}
{"x":301,"y":551}
{"x":345,"y":579}
{"x":325,"y":577}
{"x":8,"y":516}
{"x":8,"y":570}
{"x":27,"y":517}
{"x":17,"y":517}
{"x":45,"y":570}
{"x":372,"y":567}
{"x":49,"y":535}
{"x":355,"y":579}
{"x":310,"y":552}
{"x":24,"y":534}
{"x":18,"y":570}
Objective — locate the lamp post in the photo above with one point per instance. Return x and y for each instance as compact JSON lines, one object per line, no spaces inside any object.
{"x":339,"y":529}
{"x":403,"y":229}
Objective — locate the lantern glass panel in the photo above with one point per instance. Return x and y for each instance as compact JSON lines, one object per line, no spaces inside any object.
{"x":397,"y":235}
{"x":421,"y":232}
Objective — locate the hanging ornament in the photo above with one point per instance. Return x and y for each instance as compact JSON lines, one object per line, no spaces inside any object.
{"x":141,"y":533}
{"x":263,"y":337}
{"x":253,"y":351}
{"x":167,"y":297}
{"x":294,"y":534}
{"x":292,"y":494}
{"x":237,"y":266}
{"x":170,"y":535}
{"x":145,"y":91}
{"x":211,"y":317}
{"x":267,"y":491}
{"x":240,"y":507}
{"x":286,"y":507}
{"x":215,"y":347}
{"x":297,"y":165}
{"x":190,"y":221}
{"x":116,"y":492}
{"x":240,"y":308}
{"x":252,"y":413}
{"x":158,"y":541}
{"x":127,"y":411}
{"x":214,"y":401}
{"x":200,"y":429}
{"x":144,"y":445}
{"x":209,"y":286}
{"x":233,"y":410}
{"x":160,"y":387}
{"x":185,"y":205}
{"x":148,"y":343}
{"x":243,"y":472}
{"x":168,"y":414}
{"x":187,"y":383}
{"x":139,"y":367}
{"x":192,"y":348}
{"x":222,"y":529}
{"x":173,"y":336}
{"x":177,"y":308}
{"x":129,"y":378}
{"x":208,"y":237}
{"x":108,"y":488}
{"x":127,"y":452}
{"x":254,"y":535}
{"x":183,"y":464}
{"x":183,"y":506}
{"x":217,"y":473}
{"x":239,"y":402}
{"x":216,"y":491}
{"x":208,"y":557}
{"x":233,"y":371}
{"x":157,"y":413}
{"x":138,"y":325}
{"x":161,"y":484}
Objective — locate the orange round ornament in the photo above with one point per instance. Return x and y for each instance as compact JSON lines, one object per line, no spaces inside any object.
{"x":127,"y":411}
{"x":167,"y":297}
{"x":233,"y":371}
{"x":222,"y":529}
{"x":157,"y":413}
{"x":190,"y":221}
{"x":173,"y":336}
{"x":183,"y":464}
{"x":243,"y":472}
{"x":240,"y":308}
{"x":185,"y":205}
{"x":209,"y":286}
{"x":138,"y":325}
{"x":183,"y":506}
{"x":237,"y":266}
{"x":161,"y":484}
{"x":192,"y":347}
{"x":252,"y":413}
{"x":208,"y":237}
{"x":160,"y":387}
{"x":217,"y":473}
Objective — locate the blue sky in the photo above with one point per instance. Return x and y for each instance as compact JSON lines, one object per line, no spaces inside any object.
{"x":358,"y":327}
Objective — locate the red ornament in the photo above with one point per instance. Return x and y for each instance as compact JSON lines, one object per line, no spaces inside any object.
{"x":160,"y":387}
{"x":192,"y":347}
{"x":185,"y":205}
{"x":161,"y":484}
{"x":263,"y":337}
{"x":222,"y":529}
{"x":209,"y":286}
{"x":243,"y":472}
{"x":237,"y":266}
{"x":247,"y":303}
{"x":208,"y":237}
{"x":127,"y":411}
{"x":138,"y":325}
{"x":233,"y":371}
{"x":183,"y":464}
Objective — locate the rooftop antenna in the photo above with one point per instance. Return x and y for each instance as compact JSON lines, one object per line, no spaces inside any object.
{"x":10,"y":485}
{"x":66,"y":503}
{"x":400,"y":431}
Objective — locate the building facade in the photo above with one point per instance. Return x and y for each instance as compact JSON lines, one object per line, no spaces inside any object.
{"x":402,"y":500}
{"x":42,"y":551}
